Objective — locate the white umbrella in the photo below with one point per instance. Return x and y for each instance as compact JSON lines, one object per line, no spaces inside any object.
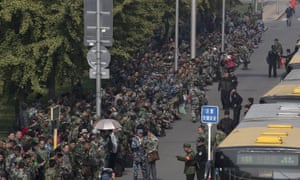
{"x":107,"y":124}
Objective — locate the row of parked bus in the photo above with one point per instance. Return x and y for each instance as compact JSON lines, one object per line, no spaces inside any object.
{"x":266,"y":143}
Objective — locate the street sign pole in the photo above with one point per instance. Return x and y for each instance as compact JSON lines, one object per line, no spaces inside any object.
{"x":209,"y":116}
{"x":209,"y":125}
{"x":98,"y":66}
{"x":98,"y":30}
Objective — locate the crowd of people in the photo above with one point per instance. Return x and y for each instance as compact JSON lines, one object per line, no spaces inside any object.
{"x":145,"y":96}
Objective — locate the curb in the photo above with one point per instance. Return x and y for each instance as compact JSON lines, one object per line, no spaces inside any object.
{"x":280,"y":15}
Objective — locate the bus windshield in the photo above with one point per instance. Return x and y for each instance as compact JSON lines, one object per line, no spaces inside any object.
{"x":257,"y":164}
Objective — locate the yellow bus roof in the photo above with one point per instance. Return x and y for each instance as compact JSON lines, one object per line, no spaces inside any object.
{"x":286,"y":91}
{"x":274,"y":124}
{"x":293,"y":75}
{"x":298,"y":43}
{"x":283,"y":90}
{"x":295,"y":59}
{"x":242,"y":137}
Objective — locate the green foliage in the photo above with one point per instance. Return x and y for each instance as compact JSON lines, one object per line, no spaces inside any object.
{"x":135,"y":22}
{"x":40,"y":40}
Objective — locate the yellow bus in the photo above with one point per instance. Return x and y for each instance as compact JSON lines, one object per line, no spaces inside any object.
{"x":294,"y":62}
{"x":293,"y":75}
{"x":287,"y":90}
{"x":265,"y":145}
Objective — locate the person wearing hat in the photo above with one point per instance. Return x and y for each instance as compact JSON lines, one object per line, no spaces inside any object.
{"x":190,"y":163}
{"x":202,"y":132}
{"x":201,"y":158}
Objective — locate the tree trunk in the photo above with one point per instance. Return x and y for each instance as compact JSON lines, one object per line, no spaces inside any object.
{"x":51,"y":79}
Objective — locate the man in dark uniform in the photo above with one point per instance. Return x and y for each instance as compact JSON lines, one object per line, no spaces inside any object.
{"x":189,"y":159}
{"x":201,"y":158}
{"x":236,"y":104}
{"x":225,"y":85}
{"x":226,"y":123}
{"x":272,"y":60}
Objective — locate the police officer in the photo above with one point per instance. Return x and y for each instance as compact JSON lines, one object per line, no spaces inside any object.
{"x":189,"y":159}
{"x":272,"y":60}
{"x":226,"y":123}
{"x":225,"y":85}
{"x":236,"y":104}
{"x":201,"y":158}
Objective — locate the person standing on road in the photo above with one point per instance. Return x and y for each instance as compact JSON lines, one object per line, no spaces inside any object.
{"x":288,"y":58}
{"x":151,"y":145}
{"x":201,"y":131}
{"x":234,"y":79}
{"x":289,"y":11}
{"x":137,"y":146}
{"x":225,"y":85}
{"x":201,"y":158}
{"x":279,"y":50}
{"x":226,"y":123}
{"x":236,"y":104}
{"x":189,"y":159}
{"x":272,"y":59}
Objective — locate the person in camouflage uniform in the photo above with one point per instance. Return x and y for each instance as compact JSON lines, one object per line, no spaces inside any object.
{"x":151,"y":144}
{"x":42,"y":157}
{"x":2,"y":165}
{"x":59,"y":162}
{"x":11,"y":160}
{"x":127,"y":133}
{"x":90,"y":161}
{"x":29,"y":166}
{"x":75,"y":159}
{"x":66,"y":163}
{"x":137,"y":146}
{"x":51,"y":172}
{"x":189,"y":159}
{"x":195,"y":104}
{"x":19,"y":173}
{"x":218,"y":138}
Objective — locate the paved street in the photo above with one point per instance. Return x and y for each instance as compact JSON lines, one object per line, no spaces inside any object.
{"x":252,"y":83}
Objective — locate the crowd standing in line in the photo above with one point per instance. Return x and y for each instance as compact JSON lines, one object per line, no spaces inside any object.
{"x":144,"y":96}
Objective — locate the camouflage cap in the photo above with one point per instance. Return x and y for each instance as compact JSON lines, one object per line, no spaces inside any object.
{"x":187,"y":145}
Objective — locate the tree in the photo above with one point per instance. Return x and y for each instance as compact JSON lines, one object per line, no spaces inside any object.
{"x":41,"y":44}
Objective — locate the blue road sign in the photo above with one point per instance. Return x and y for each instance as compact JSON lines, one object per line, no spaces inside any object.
{"x":210,"y":114}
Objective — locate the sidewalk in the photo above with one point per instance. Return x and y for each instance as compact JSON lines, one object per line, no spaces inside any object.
{"x":274,"y":9}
